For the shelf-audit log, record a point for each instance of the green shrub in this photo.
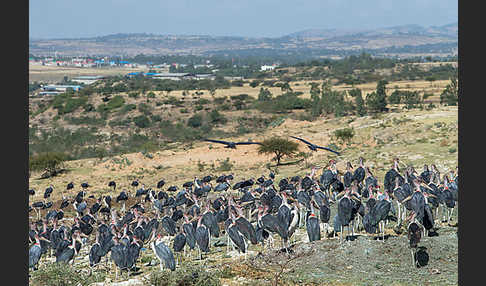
(220, 100)
(50, 162)
(173, 101)
(145, 108)
(151, 95)
(185, 275)
(241, 97)
(120, 122)
(284, 103)
(217, 118)
(203, 101)
(237, 82)
(127, 108)
(114, 103)
(60, 274)
(142, 121)
(225, 165)
(411, 99)
(264, 94)
(155, 118)
(179, 131)
(86, 120)
(255, 83)
(430, 106)
(195, 121)
(133, 94)
(345, 134)
(395, 97)
(64, 103)
(239, 104)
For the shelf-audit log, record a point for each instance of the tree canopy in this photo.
(279, 146)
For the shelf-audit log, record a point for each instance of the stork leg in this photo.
(399, 214)
(246, 247)
(383, 231)
(413, 258)
(341, 234)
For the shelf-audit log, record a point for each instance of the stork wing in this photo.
(325, 148)
(247, 143)
(306, 142)
(217, 141)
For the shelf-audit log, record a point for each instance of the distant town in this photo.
(155, 71)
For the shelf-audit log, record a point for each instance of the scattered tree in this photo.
(450, 94)
(376, 101)
(50, 162)
(264, 95)
(358, 99)
(279, 146)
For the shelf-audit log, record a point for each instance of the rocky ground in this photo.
(362, 259)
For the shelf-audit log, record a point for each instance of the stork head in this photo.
(349, 167)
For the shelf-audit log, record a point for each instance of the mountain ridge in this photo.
(310, 39)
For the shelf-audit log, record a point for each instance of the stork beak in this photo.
(426, 186)
(43, 238)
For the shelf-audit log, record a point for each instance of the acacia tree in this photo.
(50, 162)
(279, 146)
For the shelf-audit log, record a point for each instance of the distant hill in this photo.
(316, 42)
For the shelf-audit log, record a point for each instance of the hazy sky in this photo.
(251, 18)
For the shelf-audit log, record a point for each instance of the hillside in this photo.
(415, 136)
(313, 42)
(137, 129)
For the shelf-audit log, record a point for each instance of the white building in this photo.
(267, 68)
(87, 79)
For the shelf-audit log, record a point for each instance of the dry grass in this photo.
(41, 73)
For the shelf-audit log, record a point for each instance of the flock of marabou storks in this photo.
(214, 211)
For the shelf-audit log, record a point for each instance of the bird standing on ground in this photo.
(163, 252)
(312, 225)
